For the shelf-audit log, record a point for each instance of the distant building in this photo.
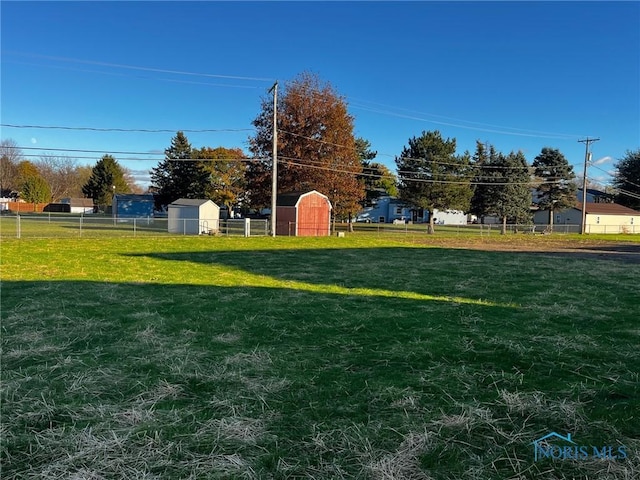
(189, 216)
(389, 209)
(79, 205)
(600, 218)
(595, 196)
(133, 205)
(305, 214)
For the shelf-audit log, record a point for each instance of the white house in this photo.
(392, 210)
(78, 205)
(599, 218)
(188, 216)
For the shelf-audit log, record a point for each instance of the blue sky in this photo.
(519, 75)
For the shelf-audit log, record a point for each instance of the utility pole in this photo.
(587, 141)
(274, 169)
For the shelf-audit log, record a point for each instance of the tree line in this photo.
(50, 178)
(318, 150)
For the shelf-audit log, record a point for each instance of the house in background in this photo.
(599, 218)
(393, 210)
(385, 210)
(303, 214)
(595, 196)
(132, 205)
(79, 205)
(189, 216)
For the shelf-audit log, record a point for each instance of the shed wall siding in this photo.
(596, 223)
(286, 221)
(183, 220)
(313, 216)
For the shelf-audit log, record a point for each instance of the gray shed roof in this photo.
(190, 202)
(78, 202)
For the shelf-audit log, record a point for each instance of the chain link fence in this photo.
(94, 226)
(54, 225)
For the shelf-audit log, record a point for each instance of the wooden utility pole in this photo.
(274, 168)
(587, 141)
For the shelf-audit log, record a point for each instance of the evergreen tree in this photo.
(627, 180)
(510, 197)
(179, 175)
(377, 179)
(432, 176)
(107, 178)
(556, 190)
(484, 168)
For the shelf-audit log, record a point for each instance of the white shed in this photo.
(193, 216)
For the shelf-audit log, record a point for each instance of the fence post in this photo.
(80, 232)
(247, 227)
(18, 225)
(134, 227)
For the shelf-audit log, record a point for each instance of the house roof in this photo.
(607, 209)
(79, 202)
(595, 192)
(291, 199)
(190, 202)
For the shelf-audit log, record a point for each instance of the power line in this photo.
(517, 130)
(479, 126)
(86, 151)
(401, 177)
(627, 193)
(410, 115)
(120, 74)
(46, 149)
(398, 156)
(472, 124)
(407, 179)
(616, 176)
(137, 130)
(134, 67)
(469, 127)
(140, 159)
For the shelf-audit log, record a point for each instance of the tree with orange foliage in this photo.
(316, 147)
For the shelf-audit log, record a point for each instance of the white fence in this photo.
(94, 226)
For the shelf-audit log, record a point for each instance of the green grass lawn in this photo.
(357, 357)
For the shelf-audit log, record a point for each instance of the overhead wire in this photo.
(135, 67)
(410, 114)
(142, 77)
(623, 178)
(423, 180)
(133, 130)
(472, 124)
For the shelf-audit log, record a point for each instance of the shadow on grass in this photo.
(506, 279)
(276, 376)
(294, 356)
(420, 274)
